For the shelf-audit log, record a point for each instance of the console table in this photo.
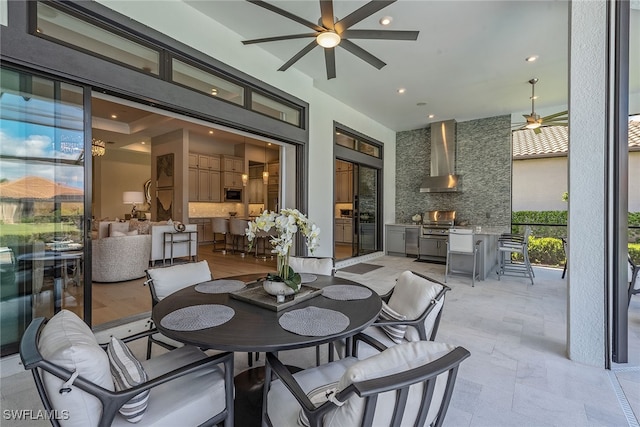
(175, 238)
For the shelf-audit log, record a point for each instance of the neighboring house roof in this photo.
(36, 188)
(552, 141)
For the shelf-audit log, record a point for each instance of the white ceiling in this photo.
(468, 61)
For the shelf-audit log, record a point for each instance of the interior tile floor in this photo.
(518, 373)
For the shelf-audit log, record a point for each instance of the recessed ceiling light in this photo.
(431, 116)
(114, 116)
(142, 142)
(385, 20)
(402, 90)
(532, 58)
(210, 132)
(214, 91)
(421, 104)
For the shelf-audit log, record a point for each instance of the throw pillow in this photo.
(317, 396)
(116, 234)
(395, 332)
(143, 227)
(121, 227)
(132, 233)
(128, 372)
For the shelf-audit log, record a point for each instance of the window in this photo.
(53, 23)
(205, 82)
(356, 144)
(275, 109)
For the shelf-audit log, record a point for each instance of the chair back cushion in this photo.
(394, 360)
(411, 296)
(461, 240)
(312, 265)
(69, 343)
(167, 280)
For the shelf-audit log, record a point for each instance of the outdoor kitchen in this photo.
(462, 179)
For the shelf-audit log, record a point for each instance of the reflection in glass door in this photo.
(41, 201)
(366, 208)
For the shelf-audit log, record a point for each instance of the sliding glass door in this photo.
(42, 209)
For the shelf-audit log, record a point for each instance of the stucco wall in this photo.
(185, 24)
(483, 159)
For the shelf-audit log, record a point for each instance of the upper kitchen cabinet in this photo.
(204, 178)
(344, 182)
(233, 168)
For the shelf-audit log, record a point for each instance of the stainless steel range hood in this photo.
(443, 160)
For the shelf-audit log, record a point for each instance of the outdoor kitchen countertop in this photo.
(487, 230)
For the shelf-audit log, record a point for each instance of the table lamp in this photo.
(133, 198)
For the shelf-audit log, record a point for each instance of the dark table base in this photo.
(249, 385)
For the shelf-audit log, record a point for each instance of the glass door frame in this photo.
(361, 159)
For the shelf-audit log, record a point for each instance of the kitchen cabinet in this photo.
(343, 230)
(433, 248)
(205, 229)
(233, 168)
(395, 240)
(344, 182)
(204, 178)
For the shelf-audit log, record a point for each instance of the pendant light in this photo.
(265, 172)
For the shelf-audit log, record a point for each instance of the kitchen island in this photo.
(399, 243)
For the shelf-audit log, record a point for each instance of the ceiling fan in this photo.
(330, 33)
(535, 122)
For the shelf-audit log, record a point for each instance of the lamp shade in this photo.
(132, 197)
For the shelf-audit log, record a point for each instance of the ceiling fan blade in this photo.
(380, 34)
(298, 55)
(557, 116)
(362, 13)
(330, 61)
(326, 11)
(278, 38)
(286, 14)
(362, 54)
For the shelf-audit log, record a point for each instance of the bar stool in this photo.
(237, 229)
(509, 244)
(220, 225)
(262, 236)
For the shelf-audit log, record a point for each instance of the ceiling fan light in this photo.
(328, 39)
(533, 125)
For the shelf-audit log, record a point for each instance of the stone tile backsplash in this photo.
(483, 158)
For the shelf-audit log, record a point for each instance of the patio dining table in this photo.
(248, 327)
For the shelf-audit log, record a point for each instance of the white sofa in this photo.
(160, 245)
(182, 247)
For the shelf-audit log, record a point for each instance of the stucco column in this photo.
(588, 97)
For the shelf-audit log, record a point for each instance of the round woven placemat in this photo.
(314, 321)
(220, 286)
(307, 277)
(197, 317)
(346, 292)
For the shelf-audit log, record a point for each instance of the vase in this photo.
(277, 288)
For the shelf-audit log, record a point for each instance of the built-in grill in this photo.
(434, 234)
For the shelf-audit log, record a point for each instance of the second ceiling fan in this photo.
(329, 33)
(535, 122)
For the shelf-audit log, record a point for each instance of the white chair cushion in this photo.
(187, 401)
(412, 333)
(68, 342)
(128, 372)
(312, 265)
(167, 280)
(411, 297)
(283, 408)
(396, 359)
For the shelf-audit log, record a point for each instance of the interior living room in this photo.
(224, 111)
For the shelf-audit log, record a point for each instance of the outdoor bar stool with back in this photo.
(462, 242)
(509, 244)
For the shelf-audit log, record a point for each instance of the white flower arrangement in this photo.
(286, 224)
